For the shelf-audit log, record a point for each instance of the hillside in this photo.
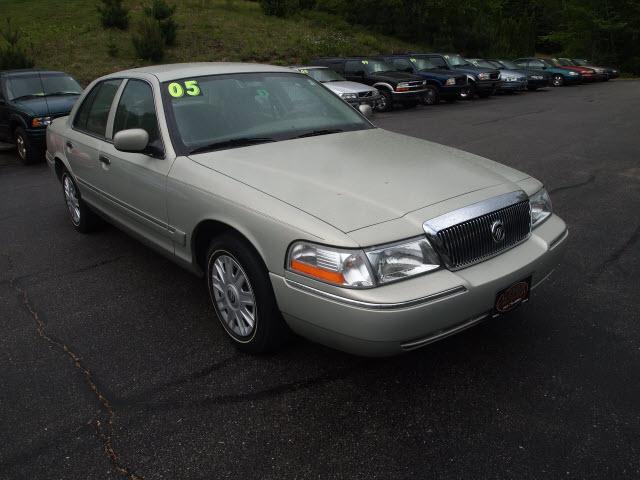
(67, 35)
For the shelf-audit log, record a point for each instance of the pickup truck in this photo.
(394, 86)
(29, 101)
(483, 82)
(441, 84)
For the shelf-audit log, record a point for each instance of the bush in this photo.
(280, 8)
(169, 30)
(113, 14)
(160, 10)
(12, 55)
(148, 42)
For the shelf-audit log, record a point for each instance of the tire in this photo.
(431, 96)
(242, 295)
(28, 153)
(557, 80)
(469, 93)
(82, 217)
(385, 104)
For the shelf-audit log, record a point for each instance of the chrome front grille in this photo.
(466, 236)
(494, 76)
(368, 93)
(461, 80)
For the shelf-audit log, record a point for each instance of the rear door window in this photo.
(94, 111)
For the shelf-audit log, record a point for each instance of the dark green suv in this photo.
(29, 100)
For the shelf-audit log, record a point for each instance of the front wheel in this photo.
(469, 92)
(385, 104)
(431, 96)
(558, 80)
(27, 151)
(242, 295)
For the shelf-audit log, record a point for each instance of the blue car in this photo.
(559, 76)
(29, 101)
(441, 84)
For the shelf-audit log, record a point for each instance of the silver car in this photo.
(354, 93)
(301, 215)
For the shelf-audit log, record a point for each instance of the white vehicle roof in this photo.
(174, 71)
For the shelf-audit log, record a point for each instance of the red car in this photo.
(588, 74)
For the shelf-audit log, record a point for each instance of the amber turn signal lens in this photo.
(319, 273)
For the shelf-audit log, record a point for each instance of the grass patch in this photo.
(67, 35)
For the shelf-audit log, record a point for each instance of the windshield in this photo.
(323, 74)
(482, 64)
(546, 62)
(423, 63)
(373, 66)
(25, 86)
(509, 65)
(565, 62)
(222, 111)
(581, 62)
(455, 60)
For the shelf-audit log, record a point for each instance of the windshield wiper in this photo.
(28, 95)
(61, 93)
(315, 133)
(232, 143)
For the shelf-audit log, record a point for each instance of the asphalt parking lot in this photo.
(113, 366)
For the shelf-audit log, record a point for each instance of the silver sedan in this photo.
(300, 214)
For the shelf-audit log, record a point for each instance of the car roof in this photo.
(174, 71)
(29, 71)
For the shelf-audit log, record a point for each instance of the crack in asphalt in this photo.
(589, 180)
(104, 426)
(617, 253)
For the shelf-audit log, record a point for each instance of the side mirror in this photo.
(132, 140)
(365, 110)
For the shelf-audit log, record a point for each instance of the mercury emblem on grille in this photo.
(497, 231)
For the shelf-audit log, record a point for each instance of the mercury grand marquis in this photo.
(301, 214)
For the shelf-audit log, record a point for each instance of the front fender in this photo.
(383, 85)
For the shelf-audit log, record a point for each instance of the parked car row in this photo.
(31, 99)
(408, 79)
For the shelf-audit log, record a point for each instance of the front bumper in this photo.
(573, 79)
(487, 86)
(513, 86)
(37, 136)
(371, 101)
(537, 82)
(410, 96)
(405, 315)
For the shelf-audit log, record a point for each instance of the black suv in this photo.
(441, 84)
(482, 81)
(29, 101)
(394, 86)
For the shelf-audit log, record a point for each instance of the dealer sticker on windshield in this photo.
(179, 89)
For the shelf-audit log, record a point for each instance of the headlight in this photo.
(402, 260)
(483, 76)
(40, 121)
(541, 207)
(573, 73)
(403, 87)
(357, 269)
(450, 81)
(349, 96)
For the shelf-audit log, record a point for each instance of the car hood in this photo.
(392, 76)
(352, 180)
(347, 87)
(44, 106)
(437, 73)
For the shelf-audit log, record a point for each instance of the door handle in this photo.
(69, 145)
(104, 160)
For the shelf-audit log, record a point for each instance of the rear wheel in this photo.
(27, 151)
(82, 217)
(558, 80)
(242, 295)
(431, 96)
(385, 104)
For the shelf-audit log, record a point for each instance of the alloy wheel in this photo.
(233, 295)
(71, 197)
(557, 80)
